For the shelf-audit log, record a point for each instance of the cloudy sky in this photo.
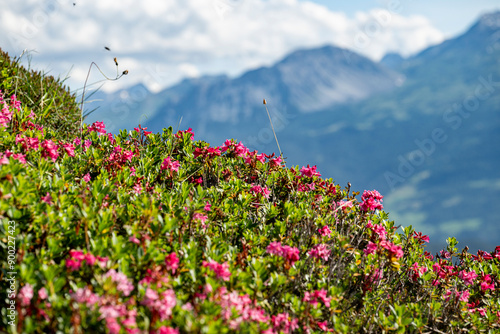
(161, 41)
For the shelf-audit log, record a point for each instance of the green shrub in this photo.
(158, 233)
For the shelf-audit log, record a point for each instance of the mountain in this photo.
(392, 60)
(423, 130)
(304, 81)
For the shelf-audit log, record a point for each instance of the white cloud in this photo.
(161, 41)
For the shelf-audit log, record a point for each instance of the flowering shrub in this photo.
(159, 233)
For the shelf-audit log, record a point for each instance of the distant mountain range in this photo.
(425, 130)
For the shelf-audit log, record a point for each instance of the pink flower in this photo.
(172, 262)
(396, 251)
(122, 282)
(291, 254)
(417, 271)
(207, 206)
(137, 188)
(89, 259)
(467, 277)
(256, 189)
(161, 303)
(19, 157)
(42, 293)
(200, 216)
(344, 204)
(167, 330)
(134, 240)
(283, 322)
(85, 296)
(324, 231)
(276, 162)
(86, 177)
(50, 150)
(320, 251)
(317, 295)
(309, 171)
(220, 270)
(371, 201)
(323, 326)
(5, 116)
(370, 248)
(47, 199)
(25, 294)
(87, 143)
(111, 139)
(70, 149)
(274, 248)
(380, 231)
(180, 134)
(487, 283)
(464, 296)
(170, 164)
(97, 127)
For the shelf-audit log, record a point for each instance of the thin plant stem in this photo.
(272, 127)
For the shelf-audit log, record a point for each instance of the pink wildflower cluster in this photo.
(290, 254)
(25, 294)
(78, 257)
(253, 156)
(206, 152)
(320, 251)
(98, 127)
(172, 262)
(143, 130)
(167, 330)
(309, 171)
(306, 187)
(324, 231)
(4, 157)
(238, 149)
(378, 230)
(443, 271)
(462, 296)
(113, 313)
(282, 323)
(180, 134)
(5, 114)
(28, 143)
(371, 201)
(120, 156)
(50, 150)
(417, 271)
(170, 164)
(85, 296)
(220, 270)
(316, 296)
(487, 283)
(275, 162)
(256, 189)
(160, 303)
(467, 277)
(420, 237)
(122, 282)
(238, 309)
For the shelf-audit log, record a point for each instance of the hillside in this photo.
(160, 233)
(374, 127)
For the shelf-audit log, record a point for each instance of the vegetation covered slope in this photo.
(46, 95)
(159, 233)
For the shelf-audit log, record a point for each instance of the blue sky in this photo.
(162, 41)
(449, 16)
